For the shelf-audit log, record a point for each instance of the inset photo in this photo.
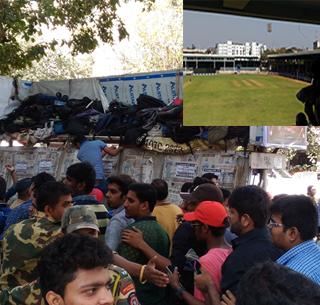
(251, 62)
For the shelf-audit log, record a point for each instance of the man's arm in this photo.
(134, 238)
(112, 151)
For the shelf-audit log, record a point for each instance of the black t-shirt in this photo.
(183, 240)
(251, 248)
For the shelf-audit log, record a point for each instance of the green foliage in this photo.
(22, 22)
(313, 150)
(57, 66)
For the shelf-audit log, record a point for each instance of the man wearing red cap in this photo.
(209, 222)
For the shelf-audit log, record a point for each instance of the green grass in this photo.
(243, 99)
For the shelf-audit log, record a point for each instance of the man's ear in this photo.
(53, 298)
(81, 186)
(47, 210)
(246, 220)
(293, 234)
(144, 206)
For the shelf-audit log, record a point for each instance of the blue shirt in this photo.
(118, 222)
(17, 214)
(303, 258)
(318, 211)
(91, 151)
(4, 212)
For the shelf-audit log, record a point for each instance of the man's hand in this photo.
(228, 298)
(133, 237)
(9, 168)
(203, 281)
(174, 280)
(154, 276)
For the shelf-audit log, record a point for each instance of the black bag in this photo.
(241, 133)
(183, 134)
(146, 101)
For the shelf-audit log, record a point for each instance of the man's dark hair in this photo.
(273, 284)
(78, 139)
(61, 259)
(226, 193)
(218, 232)
(50, 193)
(3, 188)
(185, 188)
(251, 200)
(161, 188)
(145, 192)
(297, 211)
(38, 180)
(22, 187)
(83, 172)
(122, 181)
(198, 181)
(210, 176)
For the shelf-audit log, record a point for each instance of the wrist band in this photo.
(143, 267)
(179, 291)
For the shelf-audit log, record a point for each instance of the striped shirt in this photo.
(98, 208)
(303, 258)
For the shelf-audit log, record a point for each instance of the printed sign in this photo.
(164, 86)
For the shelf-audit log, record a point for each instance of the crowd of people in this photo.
(113, 240)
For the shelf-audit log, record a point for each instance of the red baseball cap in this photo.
(97, 193)
(211, 213)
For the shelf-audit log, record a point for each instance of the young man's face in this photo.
(57, 212)
(114, 196)
(90, 287)
(132, 205)
(76, 187)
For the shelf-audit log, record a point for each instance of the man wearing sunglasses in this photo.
(209, 222)
(293, 226)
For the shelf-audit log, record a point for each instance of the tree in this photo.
(57, 66)
(22, 22)
(157, 42)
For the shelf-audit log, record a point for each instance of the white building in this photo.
(230, 48)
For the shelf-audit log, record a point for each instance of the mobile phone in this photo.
(197, 267)
(169, 269)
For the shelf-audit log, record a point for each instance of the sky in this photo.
(206, 29)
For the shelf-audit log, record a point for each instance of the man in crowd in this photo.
(311, 192)
(81, 220)
(293, 226)
(248, 211)
(184, 237)
(165, 212)
(22, 212)
(23, 192)
(23, 241)
(139, 204)
(266, 283)
(209, 221)
(93, 152)
(73, 270)
(116, 195)
(80, 178)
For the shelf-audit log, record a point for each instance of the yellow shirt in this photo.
(167, 217)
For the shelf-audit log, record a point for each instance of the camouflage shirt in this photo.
(21, 248)
(122, 288)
